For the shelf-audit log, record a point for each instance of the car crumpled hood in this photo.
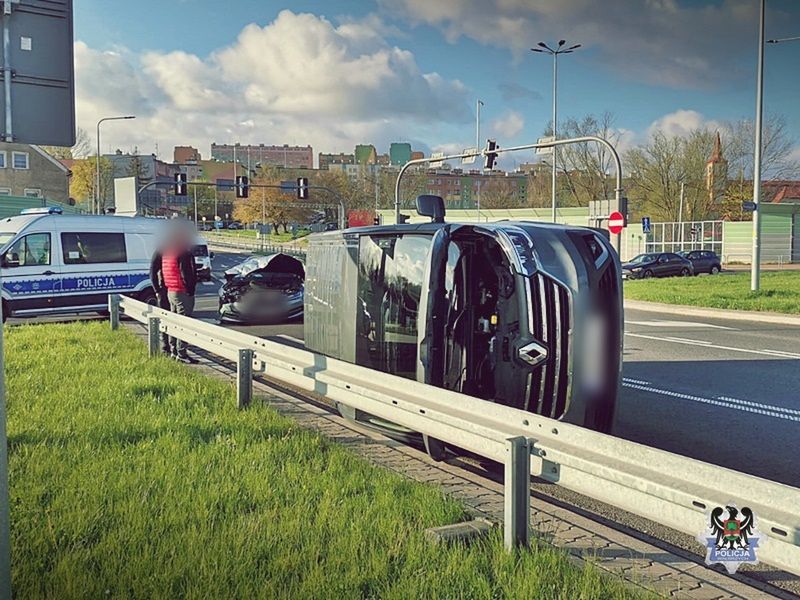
(275, 263)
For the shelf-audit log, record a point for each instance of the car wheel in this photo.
(647, 274)
(435, 448)
(714, 270)
(148, 296)
(685, 272)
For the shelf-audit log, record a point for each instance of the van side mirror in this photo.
(9, 261)
(431, 206)
(211, 255)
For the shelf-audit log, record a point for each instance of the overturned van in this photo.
(524, 314)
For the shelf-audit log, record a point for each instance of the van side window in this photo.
(31, 250)
(390, 279)
(91, 248)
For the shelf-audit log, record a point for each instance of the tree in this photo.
(136, 169)
(659, 167)
(83, 181)
(81, 149)
(585, 167)
(500, 192)
(776, 154)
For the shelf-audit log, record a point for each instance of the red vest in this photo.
(172, 273)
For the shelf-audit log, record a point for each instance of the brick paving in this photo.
(638, 561)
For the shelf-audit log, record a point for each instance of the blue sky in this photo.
(188, 72)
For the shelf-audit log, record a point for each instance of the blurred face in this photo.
(179, 236)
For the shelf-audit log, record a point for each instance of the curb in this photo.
(714, 313)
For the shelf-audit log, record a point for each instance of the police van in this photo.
(55, 263)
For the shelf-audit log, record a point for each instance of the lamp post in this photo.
(97, 161)
(478, 146)
(545, 49)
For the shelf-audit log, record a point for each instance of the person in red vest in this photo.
(180, 280)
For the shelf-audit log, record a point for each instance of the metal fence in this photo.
(687, 235)
(651, 483)
(255, 245)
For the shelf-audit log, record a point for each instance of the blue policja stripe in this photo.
(86, 283)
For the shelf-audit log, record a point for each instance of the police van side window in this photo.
(31, 250)
(92, 248)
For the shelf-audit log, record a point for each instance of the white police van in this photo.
(55, 263)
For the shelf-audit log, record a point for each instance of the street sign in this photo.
(39, 44)
(616, 222)
(545, 140)
(434, 162)
(749, 206)
(473, 155)
(645, 224)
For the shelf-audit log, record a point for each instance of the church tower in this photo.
(716, 173)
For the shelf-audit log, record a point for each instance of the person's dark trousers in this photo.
(181, 303)
(163, 302)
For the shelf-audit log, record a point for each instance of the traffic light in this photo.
(376, 220)
(179, 187)
(302, 188)
(491, 155)
(242, 186)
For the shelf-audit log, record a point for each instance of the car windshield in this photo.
(683, 253)
(200, 250)
(644, 258)
(6, 237)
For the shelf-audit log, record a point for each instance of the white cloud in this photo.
(300, 79)
(508, 125)
(664, 42)
(682, 122)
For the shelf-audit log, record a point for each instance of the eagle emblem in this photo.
(731, 539)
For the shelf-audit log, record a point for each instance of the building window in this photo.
(33, 193)
(3, 157)
(92, 248)
(5, 191)
(20, 160)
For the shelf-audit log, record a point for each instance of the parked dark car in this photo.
(235, 225)
(703, 261)
(657, 264)
(263, 289)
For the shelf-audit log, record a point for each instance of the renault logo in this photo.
(533, 353)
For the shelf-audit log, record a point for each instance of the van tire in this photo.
(148, 296)
(436, 449)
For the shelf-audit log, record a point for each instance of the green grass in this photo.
(273, 237)
(780, 292)
(133, 477)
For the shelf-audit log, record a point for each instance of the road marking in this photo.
(679, 324)
(767, 410)
(705, 344)
(637, 381)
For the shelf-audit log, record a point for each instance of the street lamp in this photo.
(755, 272)
(97, 160)
(545, 49)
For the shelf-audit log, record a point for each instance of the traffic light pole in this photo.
(321, 188)
(615, 239)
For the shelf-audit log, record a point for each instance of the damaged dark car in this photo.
(263, 290)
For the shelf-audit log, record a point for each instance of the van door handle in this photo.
(49, 273)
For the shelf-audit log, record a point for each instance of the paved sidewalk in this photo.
(640, 562)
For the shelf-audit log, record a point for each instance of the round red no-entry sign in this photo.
(616, 222)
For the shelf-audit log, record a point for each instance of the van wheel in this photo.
(148, 296)
(435, 448)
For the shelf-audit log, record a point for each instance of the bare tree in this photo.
(777, 147)
(81, 149)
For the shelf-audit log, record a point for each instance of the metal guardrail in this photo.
(654, 484)
(254, 245)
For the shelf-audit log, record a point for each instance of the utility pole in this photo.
(755, 272)
(195, 206)
(544, 48)
(478, 105)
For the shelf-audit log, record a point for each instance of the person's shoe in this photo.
(185, 359)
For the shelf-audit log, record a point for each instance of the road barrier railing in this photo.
(667, 488)
(254, 245)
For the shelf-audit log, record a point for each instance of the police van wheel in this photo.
(148, 296)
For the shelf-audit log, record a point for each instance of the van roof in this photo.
(20, 222)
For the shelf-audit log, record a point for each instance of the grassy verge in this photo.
(780, 292)
(133, 477)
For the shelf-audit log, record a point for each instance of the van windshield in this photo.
(6, 237)
(200, 250)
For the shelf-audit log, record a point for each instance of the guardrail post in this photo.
(154, 336)
(244, 378)
(113, 311)
(517, 494)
